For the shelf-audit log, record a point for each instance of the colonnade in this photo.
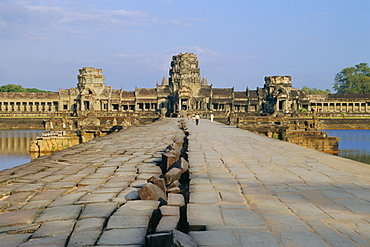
(19, 106)
(341, 106)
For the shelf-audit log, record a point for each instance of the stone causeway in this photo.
(174, 183)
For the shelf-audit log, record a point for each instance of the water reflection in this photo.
(15, 145)
(353, 144)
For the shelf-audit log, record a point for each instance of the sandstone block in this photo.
(83, 238)
(167, 223)
(60, 213)
(152, 192)
(170, 210)
(128, 221)
(179, 239)
(175, 190)
(98, 210)
(182, 164)
(138, 208)
(133, 236)
(168, 159)
(158, 181)
(54, 229)
(174, 184)
(176, 153)
(176, 200)
(172, 175)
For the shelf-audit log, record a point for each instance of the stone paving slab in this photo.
(292, 196)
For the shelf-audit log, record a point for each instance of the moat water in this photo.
(353, 144)
(15, 144)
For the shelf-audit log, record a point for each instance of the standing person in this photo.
(212, 116)
(197, 119)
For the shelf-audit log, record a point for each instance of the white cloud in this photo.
(19, 19)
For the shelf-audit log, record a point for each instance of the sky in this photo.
(44, 43)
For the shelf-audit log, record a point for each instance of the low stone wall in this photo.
(345, 123)
(314, 139)
(52, 141)
(23, 123)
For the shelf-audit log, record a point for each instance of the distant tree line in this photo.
(19, 88)
(315, 90)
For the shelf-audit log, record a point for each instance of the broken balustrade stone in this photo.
(152, 192)
(175, 190)
(176, 153)
(167, 160)
(176, 174)
(173, 146)
(180, 239)
(172, 175)
(158, 181)
(157, 239)
(179, 141)
(182, 164)
(175, 184)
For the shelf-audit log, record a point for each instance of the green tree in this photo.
(315, 90)
(19, 88)
(12, 88)
(353, 79)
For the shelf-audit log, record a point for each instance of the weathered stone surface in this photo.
(176, 200)
(13, 239)
(67, 199)
(172, 175)
(135, 236)
(204, 214)
(96, 197)
(60, 213)
(47, 242)
(139, 183)
(18, 217)
(179, 239)
(215, 238)
(54, 229)
(182, 164)
(82, 238)
(168, 223)
(98, 210)
(170, 210)
(128, 221)
(138, 208)
(158, 181)
(151, 192)
(91, 224)
(130, 193)
(168, 159)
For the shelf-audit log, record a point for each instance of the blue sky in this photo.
(43, 43)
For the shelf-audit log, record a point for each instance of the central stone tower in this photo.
(188, 93)
(184, 71)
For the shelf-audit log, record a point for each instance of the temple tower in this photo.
(185, 85)
(93, 94)
(184, 71)
(279, 95)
